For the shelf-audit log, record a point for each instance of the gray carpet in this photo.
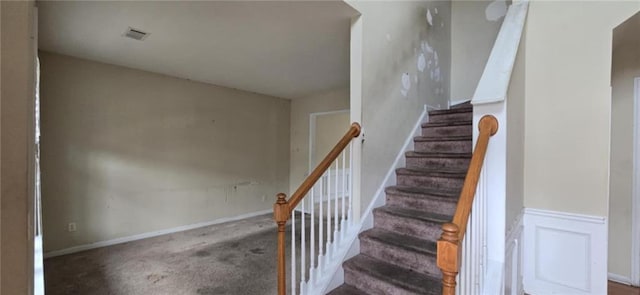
(231, 258)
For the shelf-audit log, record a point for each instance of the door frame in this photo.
(312, 134)
(635, 225)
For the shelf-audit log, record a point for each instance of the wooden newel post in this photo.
(448, 258)
(281, 215)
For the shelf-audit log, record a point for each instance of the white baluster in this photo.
(303, 248)
(329, 227)
(321, 222)
(343, 194)
(293, 251)
(335, 211)
(350, 210)
(312, 245)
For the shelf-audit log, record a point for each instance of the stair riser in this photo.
(429, 181)
(425, 204)
(407, 226)
(462, 130)
(372, 285)
(455, 117)
(417, 162)
(418, 262)
(454, 146)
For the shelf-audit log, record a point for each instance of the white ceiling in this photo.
(284, 49)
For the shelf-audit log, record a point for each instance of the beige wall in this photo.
(126, 152)
(568, 102)
(329, 129)
(626, 67)
(516, 137)
(472, 38)
(301, 109)
(16, 138)
(395, 35)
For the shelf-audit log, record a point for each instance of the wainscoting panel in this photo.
(564, 253)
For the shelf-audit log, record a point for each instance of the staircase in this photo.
(398, 255)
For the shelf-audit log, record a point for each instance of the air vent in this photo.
(136, 34)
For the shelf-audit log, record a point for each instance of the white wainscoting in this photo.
(514, 259)
(564, 253)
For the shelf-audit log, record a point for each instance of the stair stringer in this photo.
(366, 223)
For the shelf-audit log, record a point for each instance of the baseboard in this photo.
(619, 279)
(565, 253)
(378, 200)
(151, 234)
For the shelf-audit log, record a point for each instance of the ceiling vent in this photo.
(136, 34)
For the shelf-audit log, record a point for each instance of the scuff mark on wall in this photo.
(496, 10)
(429, 17)
(406, 84)
(422, 62)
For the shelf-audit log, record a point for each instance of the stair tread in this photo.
(447, 124)
(403, 278)
(466, 104)
(415, 214)
(345, 289)
(414, 154)
(468, 109)
(421, 192)
(401, 241)
(443, 138)
(439, 172)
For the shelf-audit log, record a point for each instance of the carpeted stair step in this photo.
(373, 276)
(346, 290)
(440, 201)
(437, 160)
(439, 179)
(401, 250)
(461, 128)
(466, 105)
(417, 223)
(441, 144)
(452, 115)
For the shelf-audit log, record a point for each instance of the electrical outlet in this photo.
(264, 198)
(72, 227)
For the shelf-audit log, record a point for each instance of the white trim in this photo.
(513, 258)
(151, 234)
(565, 253)
(378, 201)
(635, 196)
(619, 279)
(312, 134)
(355, 106)
(457, 102)
(496, 76)
(565, 215)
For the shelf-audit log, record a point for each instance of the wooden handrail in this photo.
(283, 208)
(449, 250)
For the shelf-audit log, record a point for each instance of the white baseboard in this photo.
(151, 234)
(565, 253)
(378, 199)
(619, 279)
(513, 258)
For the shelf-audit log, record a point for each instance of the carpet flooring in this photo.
(231, 258)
